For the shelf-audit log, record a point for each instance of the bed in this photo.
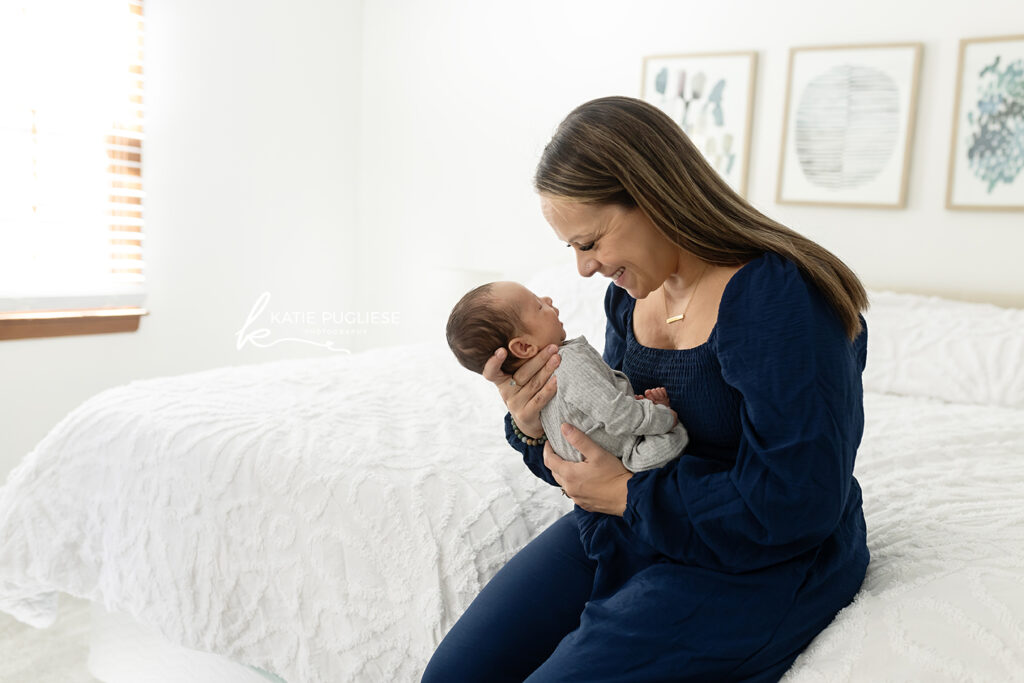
(324, 520)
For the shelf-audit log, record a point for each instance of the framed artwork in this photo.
(986, 159)
(711, 97)
(849, 124)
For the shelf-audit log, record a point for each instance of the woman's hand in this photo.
(528, 390)
(598, 484)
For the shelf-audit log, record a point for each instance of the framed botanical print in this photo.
(849, 124)
(711, 97)
(986, 160)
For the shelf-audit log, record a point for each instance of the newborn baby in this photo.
(642, 431)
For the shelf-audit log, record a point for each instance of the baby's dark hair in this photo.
(478, 325)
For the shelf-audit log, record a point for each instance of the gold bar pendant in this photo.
(675, 318)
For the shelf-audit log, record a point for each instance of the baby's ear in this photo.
(520, 348)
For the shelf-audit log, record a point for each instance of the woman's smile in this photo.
(607, 234)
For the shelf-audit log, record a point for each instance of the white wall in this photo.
(459, 98)
(360, 155)
(249, 169)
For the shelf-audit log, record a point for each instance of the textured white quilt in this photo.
(325, 520)
(330, 519)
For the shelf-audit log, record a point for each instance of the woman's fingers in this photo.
(533, 387)
(540, 377)
(543, 395)
(492, 368)
(533, 376)
(528, 389)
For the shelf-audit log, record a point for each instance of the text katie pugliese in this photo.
(335, 317)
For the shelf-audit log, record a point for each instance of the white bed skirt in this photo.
(121, 650)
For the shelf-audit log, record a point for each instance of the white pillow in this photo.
(951, 350)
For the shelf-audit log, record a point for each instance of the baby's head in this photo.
(502, 314)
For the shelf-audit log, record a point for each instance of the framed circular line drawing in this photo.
(849, 125)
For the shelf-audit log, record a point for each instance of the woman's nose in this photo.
(585, 266)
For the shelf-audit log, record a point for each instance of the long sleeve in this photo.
(654, 451)
(606, 396)
(783, 349)
(533, 456)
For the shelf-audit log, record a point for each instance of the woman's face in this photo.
(615, 241)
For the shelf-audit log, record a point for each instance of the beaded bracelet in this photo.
(528, 440)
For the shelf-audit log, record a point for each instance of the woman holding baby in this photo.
(723, 564)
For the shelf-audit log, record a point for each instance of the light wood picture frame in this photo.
(986, 154)
(849, 125)
(711, 96)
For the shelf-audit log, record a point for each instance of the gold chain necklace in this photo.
(682, 316)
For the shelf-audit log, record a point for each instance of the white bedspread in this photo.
(943, 599)
(329, 520)
(325, 520)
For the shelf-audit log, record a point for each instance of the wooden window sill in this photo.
(29, 324)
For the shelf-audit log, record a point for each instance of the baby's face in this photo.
(539, 315)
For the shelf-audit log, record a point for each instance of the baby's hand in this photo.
(659, 396)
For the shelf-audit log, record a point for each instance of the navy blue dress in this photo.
(728, 560)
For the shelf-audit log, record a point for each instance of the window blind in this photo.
(71, 139)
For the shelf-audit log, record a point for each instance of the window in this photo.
(71, 193)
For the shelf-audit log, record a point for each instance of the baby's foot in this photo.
(658, 395)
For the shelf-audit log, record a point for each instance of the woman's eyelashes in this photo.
(585, 247)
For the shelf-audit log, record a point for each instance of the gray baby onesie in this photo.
(600, 401)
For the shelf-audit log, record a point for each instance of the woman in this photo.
(725, 563)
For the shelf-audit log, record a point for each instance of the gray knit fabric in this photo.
(600, 401)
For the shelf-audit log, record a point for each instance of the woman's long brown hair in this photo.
(621, 150)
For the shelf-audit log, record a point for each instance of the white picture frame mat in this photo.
(899, 63)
